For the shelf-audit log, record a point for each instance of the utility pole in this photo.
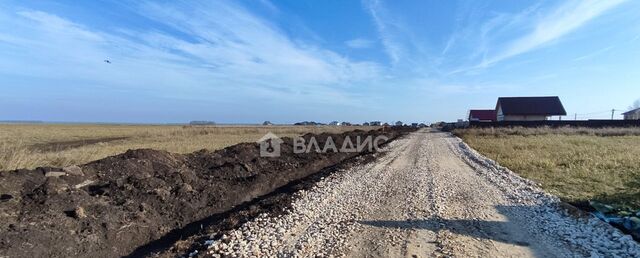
(612, 111)
(575, 116)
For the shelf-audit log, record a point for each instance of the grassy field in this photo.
(33, 145)
(574, 164)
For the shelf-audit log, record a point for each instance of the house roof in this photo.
(631, 111)
(483, 114)
(548, 106)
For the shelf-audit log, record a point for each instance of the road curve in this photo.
(426, 195)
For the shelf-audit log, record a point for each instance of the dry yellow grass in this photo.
(34, 145)
(574, 164)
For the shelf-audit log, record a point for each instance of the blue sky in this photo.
(290, 60)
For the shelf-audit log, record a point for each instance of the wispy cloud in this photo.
(225, 56)
(548, 28)
(223, 50)
(593, 54)
(269, 5)
(239, 43)
(359, 43)
(382, 23)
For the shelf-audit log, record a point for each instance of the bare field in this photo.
(576, 164)
(34, 145)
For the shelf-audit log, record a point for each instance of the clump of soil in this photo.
(116, 204)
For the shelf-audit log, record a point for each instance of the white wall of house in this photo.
(502, 117)
(632, 115)
(524, 118)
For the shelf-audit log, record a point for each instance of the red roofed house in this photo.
(482, 115)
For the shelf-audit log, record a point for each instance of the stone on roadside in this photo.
(55, 174)
(79, 213)
(73, 170)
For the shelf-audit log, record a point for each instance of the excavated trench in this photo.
(145, 202)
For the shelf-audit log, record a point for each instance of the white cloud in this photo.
(359, 43)
(224, 50)
(379, 15)
(239, 43)
(219, 52)
(594, 53)
(558, 23)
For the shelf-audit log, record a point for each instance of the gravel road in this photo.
(426, 195)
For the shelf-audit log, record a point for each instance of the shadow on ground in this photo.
(472, 228)
(509, 231)
(627, 196)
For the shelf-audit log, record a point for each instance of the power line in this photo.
(590, 114)
(594, 113)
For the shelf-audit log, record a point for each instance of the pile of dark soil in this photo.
(111, 207)
(194, 237)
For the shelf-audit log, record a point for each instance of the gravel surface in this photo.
(426, 195)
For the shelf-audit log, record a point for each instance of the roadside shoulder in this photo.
(585, 233)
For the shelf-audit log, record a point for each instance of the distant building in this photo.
(438, 124)
(202, 123)
(365, 124)
(308, 123)
(346, 124)
(414, 124)
(528, 108)
(482, 115)
(399, 123)
(375, 123)
(334, 123)
(267, 123)
(633, 114)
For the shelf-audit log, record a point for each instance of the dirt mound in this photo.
(112, 206)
